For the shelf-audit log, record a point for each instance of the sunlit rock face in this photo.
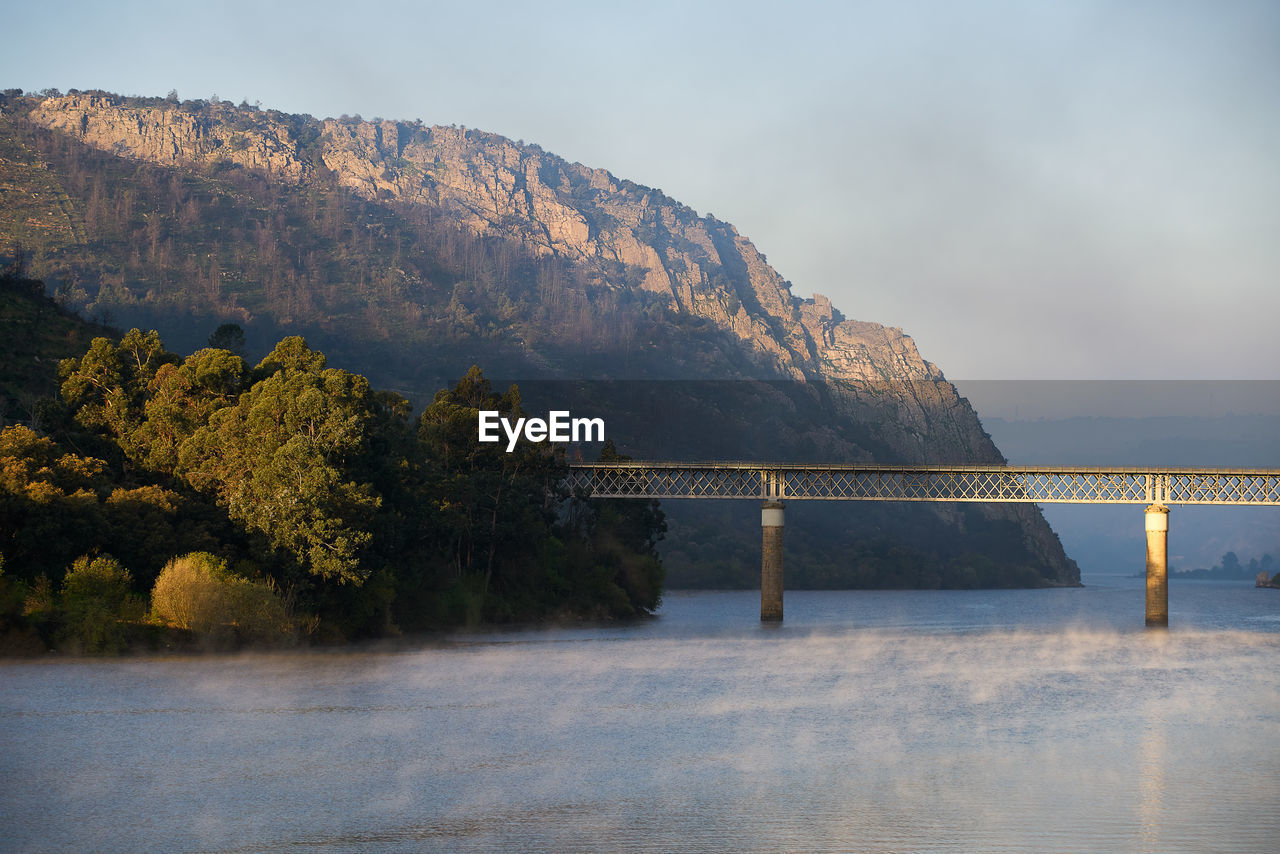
(169, 135)
(632, 237)
(493, 185)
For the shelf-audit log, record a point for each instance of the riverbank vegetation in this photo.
(184, 502)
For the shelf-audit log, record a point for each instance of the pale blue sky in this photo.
(1036, 190)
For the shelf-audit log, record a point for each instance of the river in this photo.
(991, 721)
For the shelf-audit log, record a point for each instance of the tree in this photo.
(106, 389)
(180, 400)
(626, 533)
(317, 479)
(94, 599)
(282, 460)
(228, 336)
(492, 506)
(49, 507)
(198, 593)
(1231, 565)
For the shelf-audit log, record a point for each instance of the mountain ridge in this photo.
(701, 266)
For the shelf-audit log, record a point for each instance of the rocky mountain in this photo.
(416, 248)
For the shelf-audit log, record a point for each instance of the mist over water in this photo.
(869, 721)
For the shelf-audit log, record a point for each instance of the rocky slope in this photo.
(627, 238)
(700, 265)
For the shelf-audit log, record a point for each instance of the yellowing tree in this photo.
(197, 592)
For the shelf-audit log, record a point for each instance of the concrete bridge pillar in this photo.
(771, 518)
(1157, 565)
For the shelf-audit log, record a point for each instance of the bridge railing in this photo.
(1033, 484)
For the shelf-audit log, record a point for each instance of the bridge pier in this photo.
(1157, 565)
(771, 519)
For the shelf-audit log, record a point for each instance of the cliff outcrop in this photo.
(625, 237)
(492, 185)
(162, 132)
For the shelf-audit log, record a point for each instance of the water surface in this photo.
(869, 721)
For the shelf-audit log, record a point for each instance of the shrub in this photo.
(94, 601)
(185, 594)
(197, 592)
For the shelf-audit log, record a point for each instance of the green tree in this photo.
(284, 460)
(55, 506)
(18, 633)
(107, 388)
(143, 525)
(228, 336)
(626, 533)
(516, 544)
(491, 507)
(94, 600)
(179, 401)
(49, 503)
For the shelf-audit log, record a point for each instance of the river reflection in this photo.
(992, 721)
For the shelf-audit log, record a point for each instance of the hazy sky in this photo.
(1036, 190)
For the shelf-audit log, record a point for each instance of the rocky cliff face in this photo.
(629, 236)
(493, 185)
(164, 133)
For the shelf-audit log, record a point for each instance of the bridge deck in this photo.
(874, 482)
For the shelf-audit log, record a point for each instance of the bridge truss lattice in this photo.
(1034, 484)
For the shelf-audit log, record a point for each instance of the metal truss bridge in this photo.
(1028, 484)
(776, 483)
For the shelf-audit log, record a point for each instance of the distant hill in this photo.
(410, 252)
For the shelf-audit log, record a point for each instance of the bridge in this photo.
(776, 483)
